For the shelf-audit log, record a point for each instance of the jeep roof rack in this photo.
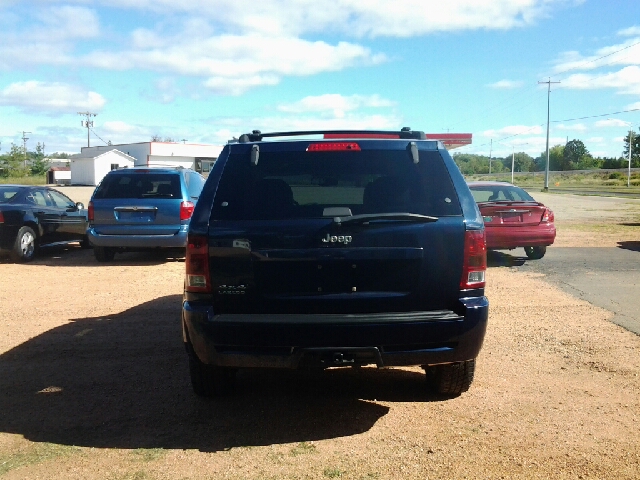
(404, 133)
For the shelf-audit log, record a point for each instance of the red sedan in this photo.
(513, 219)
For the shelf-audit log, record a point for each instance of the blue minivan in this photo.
(142, 208)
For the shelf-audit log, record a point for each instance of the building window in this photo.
(114, 166)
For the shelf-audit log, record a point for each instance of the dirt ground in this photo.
(94, 384)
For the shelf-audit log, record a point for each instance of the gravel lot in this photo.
(94, 383)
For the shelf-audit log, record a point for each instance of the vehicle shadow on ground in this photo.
(122, 382)
(633, 246)
(501, 259)
(72, 255)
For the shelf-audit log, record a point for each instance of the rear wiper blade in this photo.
(372, 217)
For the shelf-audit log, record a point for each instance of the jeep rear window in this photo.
(321, 184)
(139, 185)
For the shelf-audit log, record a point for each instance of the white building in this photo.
(89, 168)
(199, 157)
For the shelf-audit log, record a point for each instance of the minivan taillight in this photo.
(186, 210)
(475, 260)
(197, 264)
(90, 212)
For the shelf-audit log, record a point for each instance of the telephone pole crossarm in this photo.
(87, 122)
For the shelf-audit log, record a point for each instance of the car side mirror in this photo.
(79, 206)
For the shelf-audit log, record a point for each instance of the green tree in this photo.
(38, 164)
(573, 153)
(635, 149)
(556, 158)
(521, 162)
(12, 163)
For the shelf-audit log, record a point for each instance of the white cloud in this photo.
(66, 22)
(629, 32)
(595, 140)
(335, 104)
(506, 84)
(577, 127)
(407, 18)
(626, 53)
(611, 122)
(626, 81)
(50, 97)
(120, 127)
(513, 130)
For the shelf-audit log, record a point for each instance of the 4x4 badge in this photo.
(337, 239)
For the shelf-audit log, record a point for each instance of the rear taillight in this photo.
(475, 260)
(1, 217)
(186, 210)
(548, 216)
(197, 264)
(90, 211)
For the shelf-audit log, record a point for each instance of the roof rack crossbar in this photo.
(405, 133)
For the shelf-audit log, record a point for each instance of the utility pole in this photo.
(490, 150)
(513, 160)
(24, 146)
(546, 170)
(630, 146)
(87, 122)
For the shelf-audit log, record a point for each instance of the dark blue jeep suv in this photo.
(335, 249)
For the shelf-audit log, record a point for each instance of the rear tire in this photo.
(104, 254)
(209, 380)
(451, 379)
(24, 248)
(535, 253)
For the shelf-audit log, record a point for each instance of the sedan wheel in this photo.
(535, 253)
(24, 247)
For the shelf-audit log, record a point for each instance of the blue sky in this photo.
(207, 70)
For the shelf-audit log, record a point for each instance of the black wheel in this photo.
(104, 254)
(24, 248)
(535, 253)
(208, 380)
(451, 379)
(84, 243)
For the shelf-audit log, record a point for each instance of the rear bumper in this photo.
(514, 237)
(291, 341)
(177, 240)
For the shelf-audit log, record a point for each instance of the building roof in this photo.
(83, 156)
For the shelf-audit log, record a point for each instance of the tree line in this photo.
(20, 163)
(571, 156)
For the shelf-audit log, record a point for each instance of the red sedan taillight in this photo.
(475, 260)
(186, 210)
(90, 212)
(548, 216)
(197, 264)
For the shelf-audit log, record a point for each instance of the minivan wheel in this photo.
(450, 379)
(24, 248)
(535, 253)
(208, 380)
(104, 254)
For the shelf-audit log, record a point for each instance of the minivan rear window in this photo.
(139, 185)
(323, 184)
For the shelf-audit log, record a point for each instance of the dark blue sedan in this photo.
(36, 216)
